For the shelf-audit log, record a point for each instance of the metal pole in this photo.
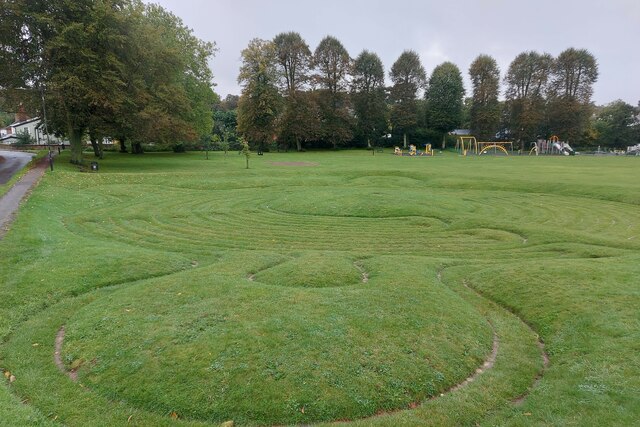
(46, 128)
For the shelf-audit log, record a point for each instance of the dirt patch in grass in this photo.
(73, 374)
(295, 164)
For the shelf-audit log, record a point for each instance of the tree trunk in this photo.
(75, 138)
(444, 141)
(298, 145)
(96, 149)
(368, 142)
(136, 148)
(123, 145)
(101, 148)
(405, 139)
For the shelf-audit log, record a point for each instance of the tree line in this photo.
(324, 98)
(110, 68)
(135, 73)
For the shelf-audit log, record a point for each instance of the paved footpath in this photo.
(10, 202)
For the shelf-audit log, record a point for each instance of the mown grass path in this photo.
(361, 289)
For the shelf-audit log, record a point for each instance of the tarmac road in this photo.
(11, 162)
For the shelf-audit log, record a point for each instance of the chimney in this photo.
(21, 115)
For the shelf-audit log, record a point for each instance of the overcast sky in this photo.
(443, 30)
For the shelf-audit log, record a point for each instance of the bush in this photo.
(24, 138)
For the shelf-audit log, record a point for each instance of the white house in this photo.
(33, 127)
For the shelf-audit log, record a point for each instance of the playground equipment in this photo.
(413, 151)
(469, 145)
(466, 144)
(552, 145)
(428, 151)
(633, 150)
(486, 147)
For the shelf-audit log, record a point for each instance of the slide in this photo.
(567, 149)
(563, 148)
(558, 147)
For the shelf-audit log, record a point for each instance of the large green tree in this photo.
(115, 67)
(225, 119)
(83, 70)
(617, 125)
(300, 123)
(367, 87)
(294, 63)
(260, 101)
(169, 82)
(333, 65)
(485, 108)
(574, 73)
(444, 99)
(408, 77)
(526, 84)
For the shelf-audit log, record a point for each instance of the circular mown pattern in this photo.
(213, 347)
(366, 220)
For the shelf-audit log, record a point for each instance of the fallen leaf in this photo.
(7, 374)
(174, 415)
(129, 419)
(12, 378)
(35, 344)
(527, 413)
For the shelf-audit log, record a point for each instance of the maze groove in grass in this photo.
(197, 292)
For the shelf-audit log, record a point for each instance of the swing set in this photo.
(470, 145)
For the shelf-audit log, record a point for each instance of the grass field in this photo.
(354, 288)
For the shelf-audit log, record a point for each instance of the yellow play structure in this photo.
(467, 144)
(413, 151)
(470, 145)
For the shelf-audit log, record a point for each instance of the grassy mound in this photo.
(313, 270)
(209, 346)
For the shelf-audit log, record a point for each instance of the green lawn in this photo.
(361, 289)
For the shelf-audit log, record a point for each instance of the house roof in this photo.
(460, 132)
(25, 122)
(8, 136)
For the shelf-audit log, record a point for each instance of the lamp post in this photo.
(46, 127)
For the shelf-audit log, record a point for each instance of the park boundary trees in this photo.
(485, 108)
(444, 99)
(116, 68)
(367, 92)
(408, 77)
(526, 85)
(574, 73)
(259, 103)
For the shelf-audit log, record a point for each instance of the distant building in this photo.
(460, 132)
(31, 126)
